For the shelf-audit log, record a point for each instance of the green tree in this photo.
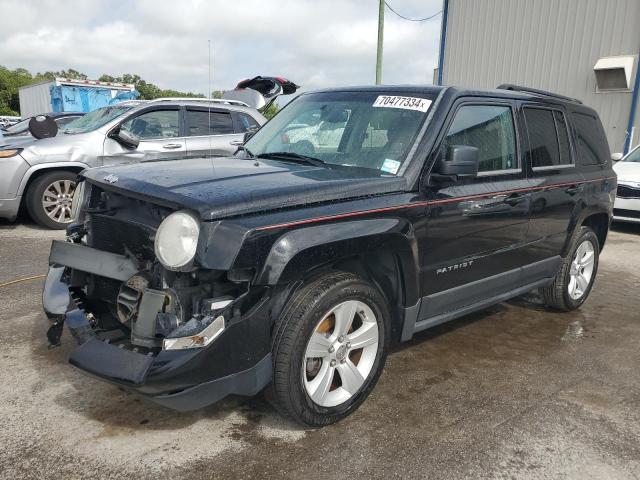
(70, 73)
(12, 80)
(148, 91)
(271, 110)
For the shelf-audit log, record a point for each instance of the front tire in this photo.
(49, 199)
(329, 349)
(574, 281)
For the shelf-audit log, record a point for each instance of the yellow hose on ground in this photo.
(25, 279)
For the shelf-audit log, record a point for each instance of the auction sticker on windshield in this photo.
(408, 103)
(390, 166)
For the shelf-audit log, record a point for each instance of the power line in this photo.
(412, 19)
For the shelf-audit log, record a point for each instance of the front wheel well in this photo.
(38, 173)
(599, 223)
(384, 271)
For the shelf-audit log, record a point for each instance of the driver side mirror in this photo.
(126, 139)
(616, 157)
(459, 161)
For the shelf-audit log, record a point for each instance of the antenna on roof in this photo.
(209, 97)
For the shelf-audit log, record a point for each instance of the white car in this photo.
(627, 206)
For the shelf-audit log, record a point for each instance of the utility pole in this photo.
(380, 41)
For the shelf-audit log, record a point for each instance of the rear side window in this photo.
(593, 148)
(490, 129)
(548, 138)
(203, 122)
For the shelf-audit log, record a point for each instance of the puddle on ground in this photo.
(575, 331)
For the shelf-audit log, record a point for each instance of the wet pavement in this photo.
(511, 392)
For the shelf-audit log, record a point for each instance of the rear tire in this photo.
(574, 281)
(349, 320)
(49, 197)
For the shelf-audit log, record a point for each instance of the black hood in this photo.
(222, 187)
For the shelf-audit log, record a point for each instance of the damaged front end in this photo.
(183, 335)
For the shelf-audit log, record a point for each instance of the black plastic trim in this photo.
(445, 317)
(249, 382)
(91, 260)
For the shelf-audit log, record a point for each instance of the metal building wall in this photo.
(548, 44)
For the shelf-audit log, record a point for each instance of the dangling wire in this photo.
(412, 19)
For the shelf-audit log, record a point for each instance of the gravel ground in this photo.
(511, 392)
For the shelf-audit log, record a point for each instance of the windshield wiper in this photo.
(294, 157)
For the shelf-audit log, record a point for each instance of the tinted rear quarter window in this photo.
(592, 145)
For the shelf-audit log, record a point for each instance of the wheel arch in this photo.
(597, 220)
(599, 223)
(382, 251)
(38, 170)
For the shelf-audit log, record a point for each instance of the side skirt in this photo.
(445, 317)
(443, 306)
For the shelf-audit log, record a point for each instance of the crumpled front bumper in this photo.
(237, 362)
(141, 372)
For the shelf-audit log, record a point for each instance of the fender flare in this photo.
(300, 250)
(578, 220)
(47, 166)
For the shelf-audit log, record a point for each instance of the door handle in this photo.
(573, 189)
(514, 199)
(172, 146)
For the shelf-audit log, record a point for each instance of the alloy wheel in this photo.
(57, 199)
(581, 270)
(340, 354)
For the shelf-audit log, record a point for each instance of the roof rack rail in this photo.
(200, 99)
(535, 91)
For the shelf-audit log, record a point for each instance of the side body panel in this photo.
(556, 196)
(475, 228)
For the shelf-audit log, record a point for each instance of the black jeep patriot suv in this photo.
(353, 219)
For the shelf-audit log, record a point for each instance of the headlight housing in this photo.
(10, 152)
(78, 201)
(177, 240)
(196, 340)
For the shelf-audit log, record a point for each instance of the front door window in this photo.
(157, 124)
(490, 129)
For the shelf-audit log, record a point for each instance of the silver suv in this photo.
(41, 173)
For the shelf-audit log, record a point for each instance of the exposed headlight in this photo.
(197, 340)
(78, 201)
(10, 153)
(177, 239)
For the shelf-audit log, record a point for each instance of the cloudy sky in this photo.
(315, 43)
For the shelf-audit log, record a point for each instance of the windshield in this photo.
(634, 156)
(19, 127)
(96, 119)
(357, 129)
